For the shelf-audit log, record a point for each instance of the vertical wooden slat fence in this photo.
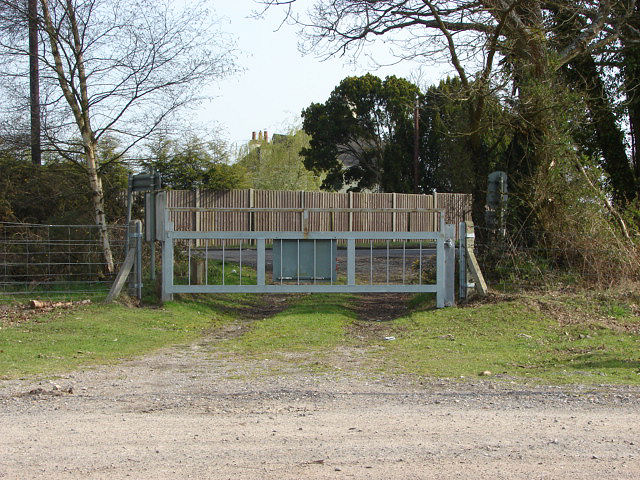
(457, 208)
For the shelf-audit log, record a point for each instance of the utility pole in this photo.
(416, 145)
(34, 83)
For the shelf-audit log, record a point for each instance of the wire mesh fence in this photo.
(56, 258)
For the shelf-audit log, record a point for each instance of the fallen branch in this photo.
(39, 304)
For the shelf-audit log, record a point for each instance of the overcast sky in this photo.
(278, 81)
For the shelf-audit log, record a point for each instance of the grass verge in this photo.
(62, 340)
(588, 338)
(515, 339)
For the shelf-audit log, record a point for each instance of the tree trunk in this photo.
(609, 136)
(34, 84)
(631, 77)
(80, 109)
(97, 197)
(528, 152)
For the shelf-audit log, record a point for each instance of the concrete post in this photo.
(167, 259)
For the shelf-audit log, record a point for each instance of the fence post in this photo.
(197, 220)
(436, 216)
(350, 212)
(305, 222)
(134, 233)
(393, 214)
(129, 203)
(139, 259)
(252, 214)
(450, 265)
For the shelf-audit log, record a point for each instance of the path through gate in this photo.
(307, 261)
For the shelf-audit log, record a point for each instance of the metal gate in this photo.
(245, 261)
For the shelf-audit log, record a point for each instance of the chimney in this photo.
(253, 136)
(260, 136)
(266, 137)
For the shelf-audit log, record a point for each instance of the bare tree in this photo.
(491, 44)
(117, 68)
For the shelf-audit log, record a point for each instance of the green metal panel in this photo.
(304, 260)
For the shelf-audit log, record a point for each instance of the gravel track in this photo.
(195, 412)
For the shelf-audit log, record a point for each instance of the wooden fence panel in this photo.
(182, 220)
(214, 221)
(415, 222)
(327, 221)
(278, 221)
(457, 208)
(373, 222)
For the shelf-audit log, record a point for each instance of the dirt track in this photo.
(191, 412)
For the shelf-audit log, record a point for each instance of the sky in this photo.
(277, 81)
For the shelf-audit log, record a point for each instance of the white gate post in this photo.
(462, 261)
(440, 271)
(450, 265)
(167, 257)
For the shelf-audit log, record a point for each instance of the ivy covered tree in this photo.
(278, 165)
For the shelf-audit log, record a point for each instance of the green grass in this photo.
(509, 339)
(588, 338)
(63, 340)
(313, 323)
(215, 273)
(58, 293)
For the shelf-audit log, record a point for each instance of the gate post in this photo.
(462, 261)
(134, 235)
(167, 258)
(445, 267)
(440, 271)
(450, 265)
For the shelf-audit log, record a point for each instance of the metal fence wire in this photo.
(56, 258)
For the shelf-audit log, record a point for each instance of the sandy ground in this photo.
(194, 412)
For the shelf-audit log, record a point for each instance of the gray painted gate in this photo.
(403, 261)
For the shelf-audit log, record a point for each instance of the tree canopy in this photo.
(523, 52)
(278, 165)
(363, 132)
(193, 163)
(363, 136)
